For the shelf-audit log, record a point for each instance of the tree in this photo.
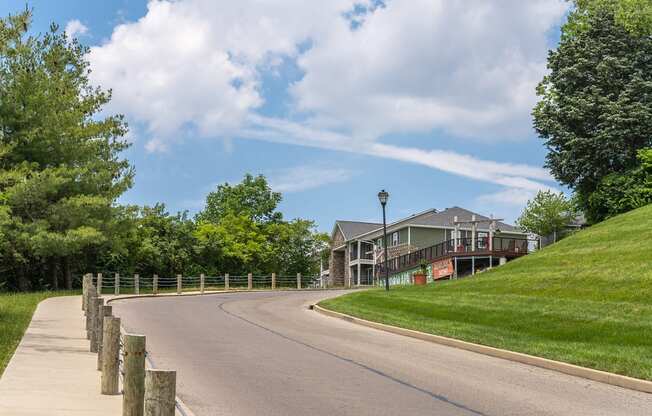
(252, 197)
(547, 214)
(296, 247)
(60, 170)
(634, 15)
(618, 193)
(595, 111)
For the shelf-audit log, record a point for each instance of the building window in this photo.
(395, 240)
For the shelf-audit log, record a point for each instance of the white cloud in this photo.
(305, 177)
(508, 196)
(509, 175)
(467, 68)
(75, 28)
(195, 63)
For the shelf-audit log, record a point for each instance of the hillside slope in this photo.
(586, 300)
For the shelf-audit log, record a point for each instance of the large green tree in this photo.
(595, 110)
(252, 197)
(241, 231)
(634, 15)
(622, 192)
(60, 164)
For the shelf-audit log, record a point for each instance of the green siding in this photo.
(426, 237)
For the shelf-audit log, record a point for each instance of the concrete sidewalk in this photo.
(52, 371)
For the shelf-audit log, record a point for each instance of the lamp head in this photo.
(383, 196)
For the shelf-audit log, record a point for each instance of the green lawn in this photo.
(16, 310)
(586, 300)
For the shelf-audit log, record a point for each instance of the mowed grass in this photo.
(16, 310)
(586, 300)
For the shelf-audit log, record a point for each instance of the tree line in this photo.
(595, 115)
(62, 171)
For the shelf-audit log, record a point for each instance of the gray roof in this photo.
(429, 218)
(446, 217)
(353, 228)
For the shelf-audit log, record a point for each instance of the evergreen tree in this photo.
(61, 170)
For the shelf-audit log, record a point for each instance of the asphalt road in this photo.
(265, 353)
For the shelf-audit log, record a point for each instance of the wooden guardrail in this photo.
(146, 392)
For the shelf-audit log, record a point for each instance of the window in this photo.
(395, 239)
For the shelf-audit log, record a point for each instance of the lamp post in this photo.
(383, 197)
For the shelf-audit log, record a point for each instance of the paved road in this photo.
(266, 354)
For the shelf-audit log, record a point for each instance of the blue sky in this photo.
(427, 99)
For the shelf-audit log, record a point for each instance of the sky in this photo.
(331, 101)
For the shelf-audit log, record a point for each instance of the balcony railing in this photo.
(367, 253)
(500, 246)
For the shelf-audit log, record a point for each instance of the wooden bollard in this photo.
(250, 281)
(99, 284)
(103, 312)
(134, 375)
(298, 280)
(116, 284)
(136, 284)
(179, 288)
(90, 316)
(95, 329)
(155, 284)
(201, 283)
(273, 280)
(160, 392)
(86, 281)
(110, 355)
(226, 281)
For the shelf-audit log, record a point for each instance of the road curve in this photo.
(265, 353)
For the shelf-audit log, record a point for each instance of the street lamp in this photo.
(383, 197)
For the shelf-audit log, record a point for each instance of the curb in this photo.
(570, 369)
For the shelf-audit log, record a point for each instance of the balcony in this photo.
(498, 246)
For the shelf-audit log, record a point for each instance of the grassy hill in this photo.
(586, 300)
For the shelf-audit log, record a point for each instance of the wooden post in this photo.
(110, 355)
(273, 280)
(250, 281)
(95, 329)
(87, 282)
(116, 290)
(226, 281)
(179, 284)
(134, 375)
(474, 228)
(92, 296)
(155, 285)
(492, 228)
(136, 284)
(457, 233)
(103, 312)
(201, 282)
(298, 280)
(99, 284)
(84, 284)
(160, 392)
